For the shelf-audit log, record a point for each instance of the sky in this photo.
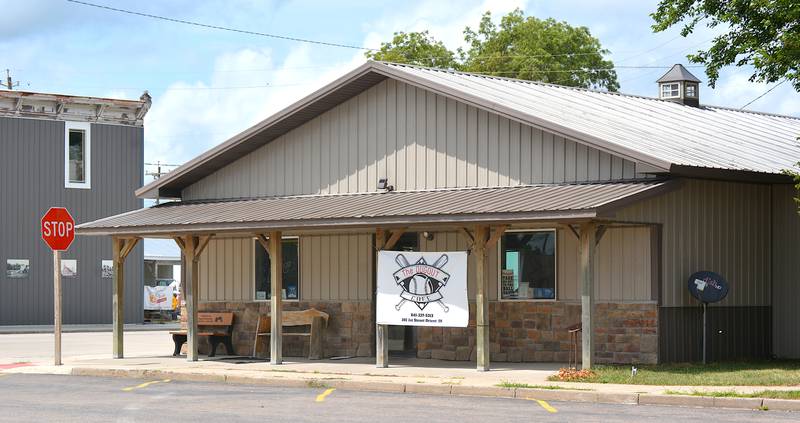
(207, 85)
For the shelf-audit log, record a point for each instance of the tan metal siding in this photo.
(622, 274)
(712, 225)
(786, 273)
(226, 270)
(622, 266)
(419, 139)
(332, 268)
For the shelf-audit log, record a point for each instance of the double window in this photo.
(291, 271)
(77, 155)
(672, 90)
(528, 265)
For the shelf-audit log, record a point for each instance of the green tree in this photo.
(415, 48)
(540, 50)
(521, 47)
(761, 33)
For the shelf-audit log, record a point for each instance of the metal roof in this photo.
(497, 204)
(659, 135)
(678, 73)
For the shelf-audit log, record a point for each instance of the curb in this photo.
(447, 390)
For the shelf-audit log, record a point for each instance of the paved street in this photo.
(85, 399)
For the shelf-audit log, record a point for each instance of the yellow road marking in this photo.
(321, 397)
(544, 405)
(145, 385)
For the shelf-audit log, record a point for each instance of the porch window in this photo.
(291, 272)
(528, 265)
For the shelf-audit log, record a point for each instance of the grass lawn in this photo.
(754, 373)
(791, 395)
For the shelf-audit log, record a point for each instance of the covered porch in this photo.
(478, 217)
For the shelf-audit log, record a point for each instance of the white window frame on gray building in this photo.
(86, 129)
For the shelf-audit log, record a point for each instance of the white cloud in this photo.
(192, 116)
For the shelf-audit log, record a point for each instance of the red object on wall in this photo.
(58, 228)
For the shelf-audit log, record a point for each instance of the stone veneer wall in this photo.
(519, 331)
(536, 331)
(349, 331)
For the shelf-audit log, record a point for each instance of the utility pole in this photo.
(159, 173)
(9, 84)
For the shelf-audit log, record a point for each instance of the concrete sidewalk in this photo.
(404, 376)
(148, 357)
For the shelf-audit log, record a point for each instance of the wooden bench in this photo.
(316, 321)
(218, 327)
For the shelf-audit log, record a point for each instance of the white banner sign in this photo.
(422, 289)
(158, 297)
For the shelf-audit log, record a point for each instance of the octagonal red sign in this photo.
(58, 228)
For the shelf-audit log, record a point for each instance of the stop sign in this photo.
(58, 228)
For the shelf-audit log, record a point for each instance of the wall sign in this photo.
(708, 287)
(422, 289)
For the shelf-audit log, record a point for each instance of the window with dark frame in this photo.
(291, 271)
(528, 265)
(691, 90)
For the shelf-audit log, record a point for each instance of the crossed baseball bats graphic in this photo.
(403, 262)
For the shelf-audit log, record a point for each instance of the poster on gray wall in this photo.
(17, 268)
(69, 268)
(106, 269)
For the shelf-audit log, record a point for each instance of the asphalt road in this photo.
(29, 398)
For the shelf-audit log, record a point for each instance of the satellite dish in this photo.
(708, 287)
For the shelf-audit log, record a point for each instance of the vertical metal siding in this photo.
(32, 175)
(419, 139)
(786, 272)
(712, 225)
(332, 268)
(622, 266)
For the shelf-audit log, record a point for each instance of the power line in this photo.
(763, 94)
(221, 28)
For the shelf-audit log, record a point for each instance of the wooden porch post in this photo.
(120, 250)
(192, 286)
(381, 331)
(191, 247)
(588, 242)
(276, 298)
(481, 301)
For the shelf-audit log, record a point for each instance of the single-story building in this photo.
(576, 206)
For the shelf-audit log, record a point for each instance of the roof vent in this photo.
(680, 86)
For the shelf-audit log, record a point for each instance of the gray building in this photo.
(82, 153)
(579, 206)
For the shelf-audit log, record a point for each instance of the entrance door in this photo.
(403, 339)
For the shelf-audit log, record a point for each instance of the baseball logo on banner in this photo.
(422, 289)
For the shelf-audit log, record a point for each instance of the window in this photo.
(528, 265)
(77, 155)
(291, 271)
(671, 90)
(164, 271)
(691, 90)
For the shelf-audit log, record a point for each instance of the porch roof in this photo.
(551, 202)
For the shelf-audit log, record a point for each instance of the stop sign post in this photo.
(58, 232)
